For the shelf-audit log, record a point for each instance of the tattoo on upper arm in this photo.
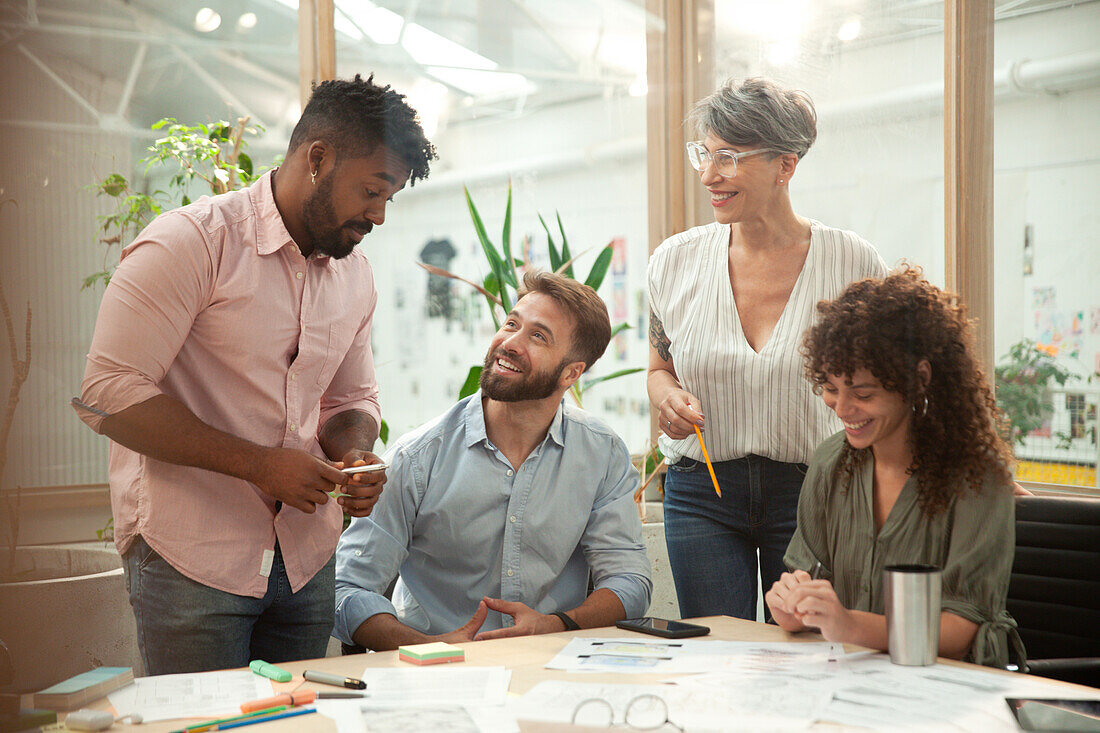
(658, 339)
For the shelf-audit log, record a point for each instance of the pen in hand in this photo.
(815, 574)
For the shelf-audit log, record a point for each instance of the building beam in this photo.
(968, 163)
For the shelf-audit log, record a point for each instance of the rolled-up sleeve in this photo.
(354, 386)
(372, 549)
(977, 569)
(612, 541)
(148, 308)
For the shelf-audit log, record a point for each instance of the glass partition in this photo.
(875, 73)
(546, 99)
(1047, 235)
(85, 80)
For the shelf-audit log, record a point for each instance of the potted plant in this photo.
(1022, 384)
(500, 286)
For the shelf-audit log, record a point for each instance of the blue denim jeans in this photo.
(185, 626)
(713, 542)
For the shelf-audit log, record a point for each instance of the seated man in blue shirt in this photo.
(495, 513)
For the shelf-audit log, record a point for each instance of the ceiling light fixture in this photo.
(207, 20)
(246, 22)
(850, 30)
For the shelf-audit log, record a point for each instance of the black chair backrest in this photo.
(1054, 594)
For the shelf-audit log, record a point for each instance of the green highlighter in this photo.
(270, 671)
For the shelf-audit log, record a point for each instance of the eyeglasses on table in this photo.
(644, 712)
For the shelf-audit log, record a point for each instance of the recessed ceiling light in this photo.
(850, 30)
(247, 21)
(207, 20)
(782, 53)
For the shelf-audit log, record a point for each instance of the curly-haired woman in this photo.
(920, 473)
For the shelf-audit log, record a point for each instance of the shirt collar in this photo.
(271, 232)
(475, 422)
(474, 416)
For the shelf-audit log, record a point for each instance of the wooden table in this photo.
(526, 656)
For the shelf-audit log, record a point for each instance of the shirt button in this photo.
(358, 553)
(511, 573)
(293, 427)
(299, 275)
(293, 376)
(510, 472)
(512, 518)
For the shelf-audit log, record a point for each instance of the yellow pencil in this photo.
(706, 457)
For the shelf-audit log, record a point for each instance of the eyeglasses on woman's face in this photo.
(724, 161)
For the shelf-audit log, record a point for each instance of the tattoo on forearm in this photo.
(657, 337)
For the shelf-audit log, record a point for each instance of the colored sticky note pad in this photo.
(434, 653)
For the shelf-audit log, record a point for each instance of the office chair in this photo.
(1054, 591)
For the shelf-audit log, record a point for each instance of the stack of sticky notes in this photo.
(83, 688)
(434, 653)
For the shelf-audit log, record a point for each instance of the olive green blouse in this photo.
(973, 541)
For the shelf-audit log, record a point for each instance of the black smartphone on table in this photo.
(1038, 714)
(663, 627)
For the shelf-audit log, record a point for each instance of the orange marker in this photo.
(302, 697)
(706, 458)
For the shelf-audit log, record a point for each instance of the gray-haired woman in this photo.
(729, 304)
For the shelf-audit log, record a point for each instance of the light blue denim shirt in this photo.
(456, 522)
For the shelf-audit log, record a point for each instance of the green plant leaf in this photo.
(491, 284)
(185, 200)
(599, 269)
(506, 242)
(245, 164)
(620, 328)
(555, 258)
(220, 132)
(613, 375)
(114, 185)
(472, 383)
(496, 264)
(384, 432)
(565, 256)
(95, 277)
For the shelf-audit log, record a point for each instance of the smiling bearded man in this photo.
(497, 512)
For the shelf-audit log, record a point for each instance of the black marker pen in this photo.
(334, 679)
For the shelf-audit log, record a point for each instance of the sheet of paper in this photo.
(439, 699)
(872, 692)
(454, 684)
(351, 717)
(690, 656)
(200, 695)
(692, 709)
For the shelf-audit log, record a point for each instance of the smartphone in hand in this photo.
(371, 468)
(663, 627)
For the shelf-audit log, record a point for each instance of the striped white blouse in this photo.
(755, 403)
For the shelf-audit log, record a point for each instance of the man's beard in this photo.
(319, 219)
(537, 386)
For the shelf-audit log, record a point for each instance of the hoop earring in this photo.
(924, 407)
(313, 177)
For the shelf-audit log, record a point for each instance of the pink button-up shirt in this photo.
(214, 306)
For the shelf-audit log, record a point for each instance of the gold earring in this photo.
(313, 177)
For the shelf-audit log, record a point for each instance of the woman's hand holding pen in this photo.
(677, 416)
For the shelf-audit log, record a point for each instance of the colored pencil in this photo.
(706, 458)
(210, 724)
(280, 716)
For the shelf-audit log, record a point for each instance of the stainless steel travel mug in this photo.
(913, 613)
